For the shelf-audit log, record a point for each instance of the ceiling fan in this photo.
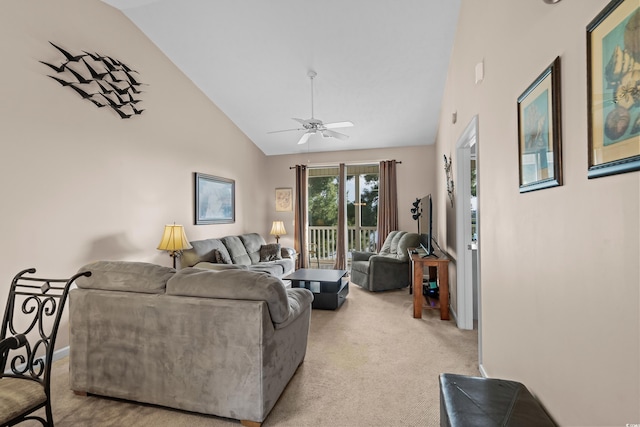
(313, 125)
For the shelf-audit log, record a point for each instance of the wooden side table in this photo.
(441, 265)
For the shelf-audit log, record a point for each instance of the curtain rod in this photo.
(347, 164)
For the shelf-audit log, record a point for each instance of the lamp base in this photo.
(174, 255)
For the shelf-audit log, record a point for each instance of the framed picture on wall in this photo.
(214, 199)
(613, 89)
(284, 199)
(539, 132)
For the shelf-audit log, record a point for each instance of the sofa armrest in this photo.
(385, 259)
(233, 284)
(361, 256)
(300, 300)
(387, 268)
(384, 270)
(288, 253)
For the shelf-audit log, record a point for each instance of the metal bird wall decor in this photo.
(100, 79)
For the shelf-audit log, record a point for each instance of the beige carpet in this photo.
(370, 363)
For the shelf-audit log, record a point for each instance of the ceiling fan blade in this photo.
(304, 138)
(285, 130)
(337, 125)
(333, 134)
(302, 122)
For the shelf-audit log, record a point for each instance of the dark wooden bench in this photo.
(482, 402)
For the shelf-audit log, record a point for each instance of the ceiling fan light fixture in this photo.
(313, 125)
(551, 1)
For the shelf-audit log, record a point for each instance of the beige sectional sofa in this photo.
(224, 343)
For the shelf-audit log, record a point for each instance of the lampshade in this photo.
(174, 239)
(277, 229)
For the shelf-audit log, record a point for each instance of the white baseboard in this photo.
(61, 353)
(454, 315)
(482, 371)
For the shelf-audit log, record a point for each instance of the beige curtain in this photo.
(387, 201)
(300, 231)
(341, 242)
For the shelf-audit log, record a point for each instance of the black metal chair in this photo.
(27, 340)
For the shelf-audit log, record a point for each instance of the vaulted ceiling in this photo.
(380, 64)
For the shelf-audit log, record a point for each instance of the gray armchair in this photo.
(388, 269)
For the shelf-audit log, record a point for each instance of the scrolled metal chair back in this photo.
(34, 309)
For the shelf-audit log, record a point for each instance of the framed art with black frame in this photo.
(214, 199)
(613, 89)
(539, 132)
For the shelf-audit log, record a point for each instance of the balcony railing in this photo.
(322, 241)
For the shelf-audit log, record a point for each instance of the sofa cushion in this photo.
(252, 243)
(204, 250)
(268, 267)
(270, 252)
(236, 250)
(222, 257)
(217, 266)
(279, 268)
(409, 240)
(233, 284)
(393, 249)
(397, 243)
(386, 246)
(288, 265)
(126, 276)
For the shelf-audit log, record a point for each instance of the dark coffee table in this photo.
(330, 288)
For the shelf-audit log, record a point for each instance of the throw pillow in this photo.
(220, 258)
(270, 252)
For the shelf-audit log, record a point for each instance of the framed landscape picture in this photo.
(214, 199)
(539, 132)
(613, 88)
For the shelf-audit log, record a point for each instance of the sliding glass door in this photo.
(362, 211)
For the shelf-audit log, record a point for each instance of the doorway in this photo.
(467, 231)
(322, 204)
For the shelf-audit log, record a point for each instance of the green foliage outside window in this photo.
(323, 204)
(323, 201)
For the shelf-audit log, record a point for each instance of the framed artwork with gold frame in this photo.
(284, 199)
(613, 89)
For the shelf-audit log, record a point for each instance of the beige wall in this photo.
(560, 267)
(416, 178)
(78, 183)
